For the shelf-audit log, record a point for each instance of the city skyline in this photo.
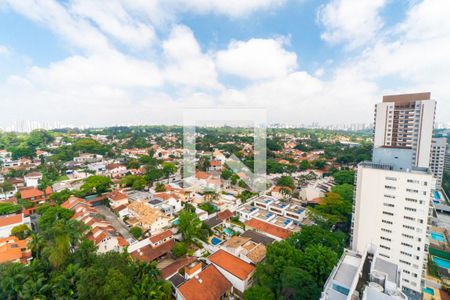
(128, 62)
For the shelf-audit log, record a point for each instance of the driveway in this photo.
(115, 222)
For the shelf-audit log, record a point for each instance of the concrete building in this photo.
(363, 276)
(391, 212)
(437, 159)
(393, 193)
(447, 161)
(405, 123)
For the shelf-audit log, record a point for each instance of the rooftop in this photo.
(209, 284)
(232, 264)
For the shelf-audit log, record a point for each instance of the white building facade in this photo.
(437, 159)
(391, 211)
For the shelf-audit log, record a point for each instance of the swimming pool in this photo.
(443, 263)
(215, 241)
(428, 291)
(228, 231)
(436, 195)
(438, 237)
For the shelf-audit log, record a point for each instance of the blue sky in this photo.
(79, 62)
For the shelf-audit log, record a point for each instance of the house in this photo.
(87, 158)
(32, 179)
(237, 271)
(245, 248)
(73, 202)
(153, 247)
(97, 167)
(35, 195)
(147, 218)
(101, 232)
(201, 284)
(8, 222)
(215, 165)
(14, 250)
(116, 170)
(268, 229)
(280, 192)
(170, 202)
(117, 198)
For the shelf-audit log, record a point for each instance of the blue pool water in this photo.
(428, 291)
(438, 237)
(228, 231)
(216, 241)
(443, 263)
(436, 195)
(176, 221)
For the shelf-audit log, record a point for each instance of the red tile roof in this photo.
(31, 193)
(268, 228)
(232, 264)
(216, 163)
(10, 219)
(117, 195)
(202, 175)
(148, 254)
(225, 215)
(210, 285)
(159, 237)
(175, 266)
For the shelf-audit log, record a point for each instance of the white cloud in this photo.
(111, 69)
(77, 32)
(256, 59)
(186, 64)
(234, 8)
(4, 50)
(112, 18)
(351, 21)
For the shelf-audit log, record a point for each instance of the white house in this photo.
(32, 179)
(237, 271)
(8, 222)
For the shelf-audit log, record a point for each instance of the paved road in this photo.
(113, 219)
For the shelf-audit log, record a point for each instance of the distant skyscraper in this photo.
(393, 192)
(437, 159)
(404, 123)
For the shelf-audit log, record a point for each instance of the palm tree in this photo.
(59, 251)
(37, 244)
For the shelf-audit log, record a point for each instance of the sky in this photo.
(103, 63)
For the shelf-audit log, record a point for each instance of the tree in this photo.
(226, 174)
(51, 214)
(61, 196)
(344, 190)
(333, 210)
(96, 184)
(9, 208)
(318, 261)
(304, 165)
(136, 232)
(319, 163)
(179, 249)
(316, 235)
(189, 225)
(258, 293)
(160, 187)
(6, 187)
(21, 231)
(298, 284)
(286, 181)
(169, 168)
(134, 181)
(344, 176)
